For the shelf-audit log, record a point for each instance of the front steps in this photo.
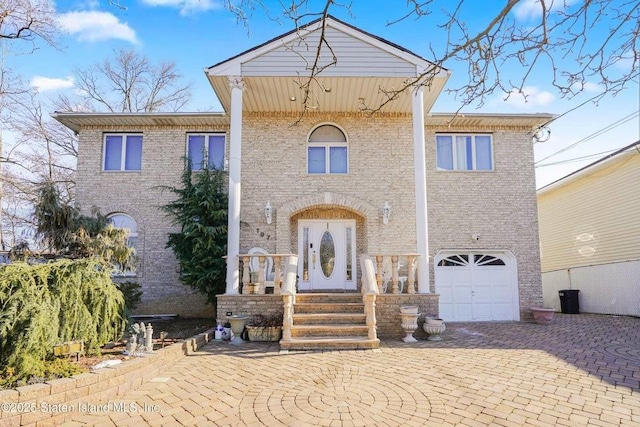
(329, 321)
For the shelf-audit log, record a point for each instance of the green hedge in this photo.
(48, 304)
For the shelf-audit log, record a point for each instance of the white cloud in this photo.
(530, 9)
(43, 84)
(627, 62)
(93, 26)
(530, 97)
(588, 87)
(186, 6)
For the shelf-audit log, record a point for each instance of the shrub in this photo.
(266, 321)
(47, 304)
(132, 292)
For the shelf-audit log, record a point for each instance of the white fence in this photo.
(604, 289)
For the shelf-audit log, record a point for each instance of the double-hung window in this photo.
(206, 151)
(327, 151)
(122, 152)
(458, 152)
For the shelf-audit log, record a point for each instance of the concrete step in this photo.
(329, 321)
(330, 330)
(330, 343)
(329, 318)
(328, 307)
(329, 298)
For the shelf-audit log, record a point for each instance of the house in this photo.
(444, 204)
(590, 235)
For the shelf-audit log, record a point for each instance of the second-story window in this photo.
(206, 151)
(464, 152)
(327, 151)
(122, 152)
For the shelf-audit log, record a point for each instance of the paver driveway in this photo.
(580, 370)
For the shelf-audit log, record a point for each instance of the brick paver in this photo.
(579, 370)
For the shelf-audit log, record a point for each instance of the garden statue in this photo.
(132, 341)
(140, 339)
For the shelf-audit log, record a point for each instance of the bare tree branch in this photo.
(573, 45)
(128, 82)
(28, 20)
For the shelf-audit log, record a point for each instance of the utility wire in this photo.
(605, 129)
(576, 159)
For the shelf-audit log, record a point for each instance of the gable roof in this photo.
(354, 63)
(312, 26)
(592, 167)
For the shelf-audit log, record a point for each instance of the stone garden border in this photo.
(26, 403)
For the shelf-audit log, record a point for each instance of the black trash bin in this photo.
(569, 303)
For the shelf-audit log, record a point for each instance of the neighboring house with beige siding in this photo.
(590, 234)
(443, 203)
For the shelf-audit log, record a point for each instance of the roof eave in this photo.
(591, 168)
(76, 121)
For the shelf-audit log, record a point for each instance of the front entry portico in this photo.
(326, 250)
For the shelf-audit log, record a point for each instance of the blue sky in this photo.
(199, 33)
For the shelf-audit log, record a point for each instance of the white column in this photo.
(419, 157)
(235, 154)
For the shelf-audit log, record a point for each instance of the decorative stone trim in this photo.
(322, 200)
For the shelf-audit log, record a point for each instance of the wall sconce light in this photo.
(386, 211)
(268, 213)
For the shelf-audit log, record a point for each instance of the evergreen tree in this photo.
(64, 230)
(200, 211)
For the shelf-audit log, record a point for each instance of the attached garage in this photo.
(477, 285)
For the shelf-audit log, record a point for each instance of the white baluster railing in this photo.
(289, 295)
(388, 272)
(369, 290)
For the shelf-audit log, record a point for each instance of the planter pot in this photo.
(542, 315)
(433, 322)
(237, 325)
(434, 331)
(409, 309)
(260, 333)
(409, 325)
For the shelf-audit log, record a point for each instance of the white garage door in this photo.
(477, 286)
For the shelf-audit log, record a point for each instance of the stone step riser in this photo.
(328, 298)
(329, 331)
(337, 345)
(310, 308)
(330, 319)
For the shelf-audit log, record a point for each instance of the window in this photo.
(122, 152)
(478, 260)
(327, 151)
(121, 220)
(206, 150)
(464, 152)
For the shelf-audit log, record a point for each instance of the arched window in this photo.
(121, 220)
(327, 151)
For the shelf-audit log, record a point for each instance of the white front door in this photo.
(327, 255)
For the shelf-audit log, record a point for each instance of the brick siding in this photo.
(500, 205)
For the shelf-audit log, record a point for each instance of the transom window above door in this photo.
(327, 151)
(464, 152)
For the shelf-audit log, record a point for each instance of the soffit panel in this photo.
(77, 121)
(348, 94)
